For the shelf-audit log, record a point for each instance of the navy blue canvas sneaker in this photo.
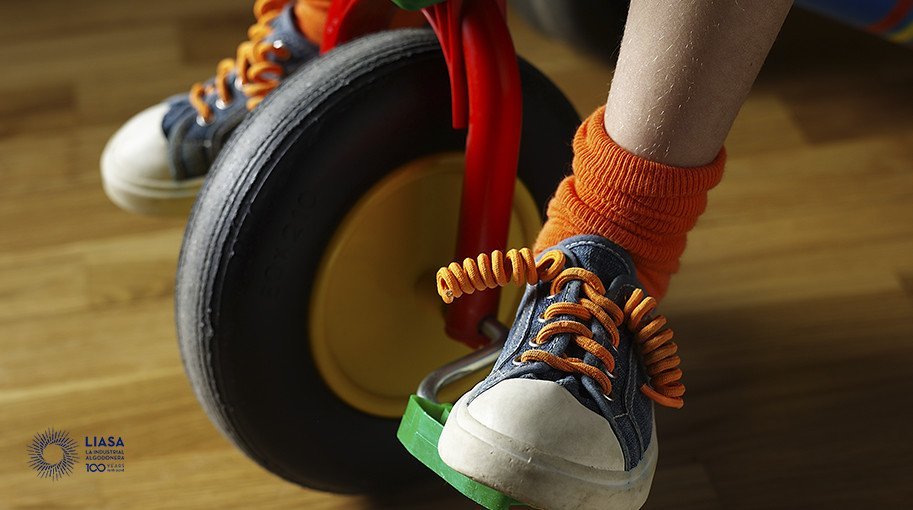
(565, 419)
(156, 162)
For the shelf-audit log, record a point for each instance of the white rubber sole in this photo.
(537, 478)
(157, 198)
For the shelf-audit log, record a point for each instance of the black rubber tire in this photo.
(594, 26)
(259, 228)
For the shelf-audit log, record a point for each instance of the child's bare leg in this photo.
(684, 70)
(642, 169)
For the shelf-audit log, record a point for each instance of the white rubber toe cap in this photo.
(138, 151)
(135, 170)
(533, 441)
(547, 418)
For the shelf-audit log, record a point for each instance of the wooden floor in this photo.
(794, 307)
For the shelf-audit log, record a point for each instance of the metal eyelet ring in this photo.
(517, 361)
(239, 84)
(541, 320)
(222, 104)
(533, 343)
(202, 122)
(279, 45)
(608, 398)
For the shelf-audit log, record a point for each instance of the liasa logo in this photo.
(110, 441)
(104, 454)
(52, 454)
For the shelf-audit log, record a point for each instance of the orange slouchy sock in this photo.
(312, 16)
(645, 207)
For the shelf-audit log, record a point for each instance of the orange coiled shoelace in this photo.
(653, 339)
(257, 75)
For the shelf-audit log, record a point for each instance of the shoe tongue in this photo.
(614, 267)
(600, 256)
(608, 261)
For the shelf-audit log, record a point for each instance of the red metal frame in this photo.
(348, 19)
(487, 98)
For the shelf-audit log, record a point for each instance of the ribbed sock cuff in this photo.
(644, 206)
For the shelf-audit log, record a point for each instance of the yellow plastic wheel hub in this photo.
(376, 322)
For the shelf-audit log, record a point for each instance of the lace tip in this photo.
(663, 400)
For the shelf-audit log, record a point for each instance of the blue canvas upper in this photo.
(628, 410)
(194, 145)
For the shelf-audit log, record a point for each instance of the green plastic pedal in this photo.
(420, 432)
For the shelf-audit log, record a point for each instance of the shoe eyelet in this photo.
(238, 83)
(608, 397)
(280, 46)
(202, 122)
(517, 361)
(541, 320)
(221, 105)
(610, 374)
(532, 343)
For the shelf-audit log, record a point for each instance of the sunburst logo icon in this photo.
(52, 454)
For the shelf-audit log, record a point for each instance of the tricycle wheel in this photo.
(305, 299)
